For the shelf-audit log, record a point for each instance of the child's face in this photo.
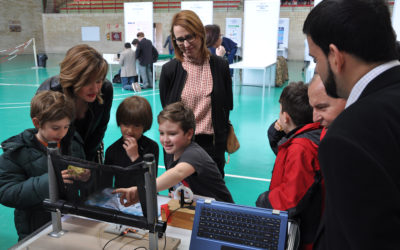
(89, 92)
(172, 137)
(53, 130)
(131, 131)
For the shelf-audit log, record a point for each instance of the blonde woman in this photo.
(82, 78)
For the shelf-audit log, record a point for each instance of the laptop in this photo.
(226, 226)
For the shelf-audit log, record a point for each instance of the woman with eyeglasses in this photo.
(201, 81)
(214, 40)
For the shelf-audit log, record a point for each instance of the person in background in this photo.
(354, 46)
(230, 49)
(296, 182)
(190, 165)
(146, 54)
(82, 79)
(168, 42)
(134, 117)
(129, 77)
(24, 182)
(201, 81)
(214, 40)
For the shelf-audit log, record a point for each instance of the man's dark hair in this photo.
(140, 34)
(127, 45)
(361, 28)
(135, 41)
(294, 101)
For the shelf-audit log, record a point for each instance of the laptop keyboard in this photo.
(239, 228)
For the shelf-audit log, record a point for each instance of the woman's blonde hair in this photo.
(192, 23)
(82, 64)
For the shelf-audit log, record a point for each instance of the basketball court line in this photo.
(238, 176)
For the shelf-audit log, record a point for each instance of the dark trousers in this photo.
(215, 150)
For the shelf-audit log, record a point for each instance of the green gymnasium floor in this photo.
(247, 175)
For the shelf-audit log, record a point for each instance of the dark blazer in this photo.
(146, 53)
(360, 162)
(172, 81)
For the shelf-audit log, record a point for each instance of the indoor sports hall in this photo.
(247, 174)
(37, 34)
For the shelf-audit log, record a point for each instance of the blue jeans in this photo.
(127, 82)
(147, 75)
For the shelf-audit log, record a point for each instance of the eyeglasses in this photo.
(189, 38)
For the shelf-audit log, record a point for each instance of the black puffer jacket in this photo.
(24, 180)
(93, 126)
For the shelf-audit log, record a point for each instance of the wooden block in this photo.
(182, 217)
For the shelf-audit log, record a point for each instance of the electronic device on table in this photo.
(93, 200)
(221, 225)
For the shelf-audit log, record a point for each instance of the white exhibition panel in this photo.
(396, 18)
(317, 2)
(204, 9)
(138, 17)
(260, 37)
(283, 32)
(233, 30)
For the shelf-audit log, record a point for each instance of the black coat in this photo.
(146, 53)
(93, 126)
(172, 81)
(360, 162)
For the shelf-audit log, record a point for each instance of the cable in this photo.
(140, 247)
(121, 234)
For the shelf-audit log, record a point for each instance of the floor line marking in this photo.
(14, 103)
(15, 107)
(238, 176)
(17, 84)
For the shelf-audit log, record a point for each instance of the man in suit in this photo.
(353, 43)
(146, 54)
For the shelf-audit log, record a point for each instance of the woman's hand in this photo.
(131, 147)
(220, 51)
(129, 196)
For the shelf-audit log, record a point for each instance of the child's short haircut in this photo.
(294, 101)
(135, 110)
(52, 106)
(177, 112)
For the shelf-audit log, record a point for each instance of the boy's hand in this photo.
(84, 176)
(67, 176)
(278, 126)
(129, 196)
(131, 147)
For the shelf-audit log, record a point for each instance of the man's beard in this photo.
(330, 84)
